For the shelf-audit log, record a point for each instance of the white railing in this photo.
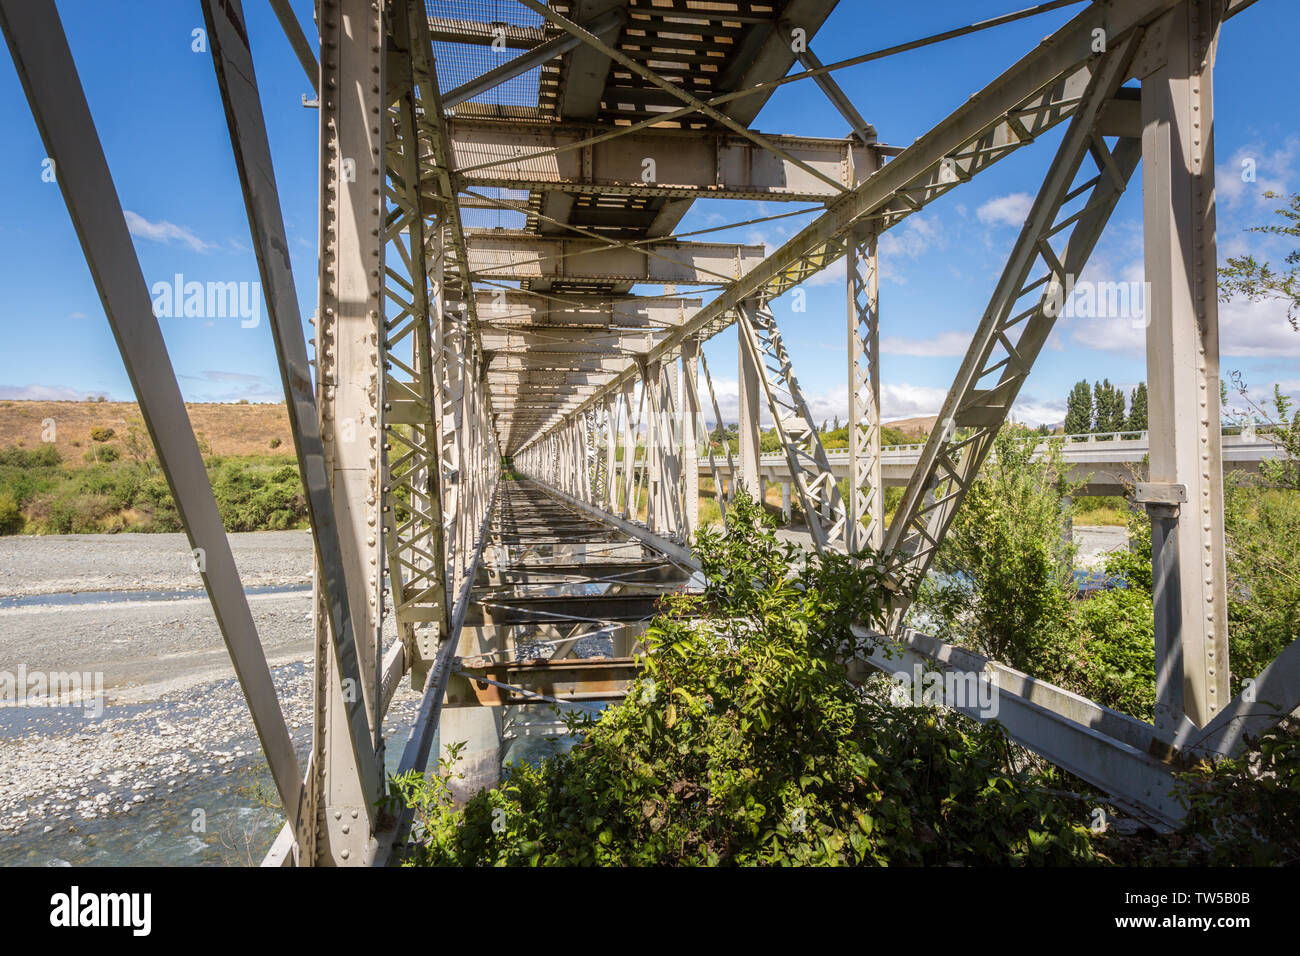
(1132, 441)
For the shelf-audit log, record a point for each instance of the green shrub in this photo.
(73, 514)
(1004, 587)
(1112, 659)
(256, 497)
(101, 433)
(743, 742)
(45, 456)
(1263, 527)
(1244, 811)
(11, 515)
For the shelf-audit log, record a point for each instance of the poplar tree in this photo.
(1078, 409)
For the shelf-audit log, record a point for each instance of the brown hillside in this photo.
(228, 429)
(918, 427)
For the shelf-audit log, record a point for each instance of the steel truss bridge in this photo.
(442, 350)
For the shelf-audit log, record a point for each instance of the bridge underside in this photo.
(500, 276)
(555, 618)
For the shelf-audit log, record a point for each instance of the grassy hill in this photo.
(223, 430)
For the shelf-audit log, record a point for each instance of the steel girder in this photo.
(497, 255)
(1041, 90)
(1063, 226)
(1184, 495)
(692, 433)
(233, 61)
(1109, 749)
(810, 471)
(685, 164)
(414, 380)
(722, 495)
(507, 308)
(349, 356)
(866, 505)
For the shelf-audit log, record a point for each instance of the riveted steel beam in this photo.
(500, 255)
(653, 162)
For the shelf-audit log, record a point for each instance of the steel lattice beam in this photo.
(1063, 226)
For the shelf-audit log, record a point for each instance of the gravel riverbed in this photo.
(172, 730)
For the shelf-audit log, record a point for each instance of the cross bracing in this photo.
(566, 340)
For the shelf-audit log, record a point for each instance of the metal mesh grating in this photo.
(471, 37)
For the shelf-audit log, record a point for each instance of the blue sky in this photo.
(159, 116)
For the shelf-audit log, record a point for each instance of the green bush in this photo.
(258, 498)
(74, 514)
(113, 494)
(1244, 811)
(11, 515)
(1004, 586)
(1263, 527)
(1004, 590)
(46, 456)
(1111, 658)
(744, 743)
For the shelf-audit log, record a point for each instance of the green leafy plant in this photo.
(1243, 811)
(1003, 586)
(744, 742)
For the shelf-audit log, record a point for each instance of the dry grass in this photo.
(227, 429)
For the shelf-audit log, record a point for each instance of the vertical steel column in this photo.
(670, 456)
(866, 489)
(652, 376)
(692, 424)
(609, 494)
(349, 353)
(1183, 349)
(414, 266)
(749, 381)
(722, 494)
(629, 450)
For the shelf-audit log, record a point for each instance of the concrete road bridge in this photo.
(442, 350)
(1099, 464)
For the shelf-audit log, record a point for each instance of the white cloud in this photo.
(42, 393)
(1257, 330)
(896, 401)
(1246, 330)
(223, 386)
(1272, 169)
(1032, 411)
(945, 343)
(914, 238)
(164, 232)
(909, 401)
(1010, 210)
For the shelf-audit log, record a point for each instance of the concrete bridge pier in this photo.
(480, 729)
